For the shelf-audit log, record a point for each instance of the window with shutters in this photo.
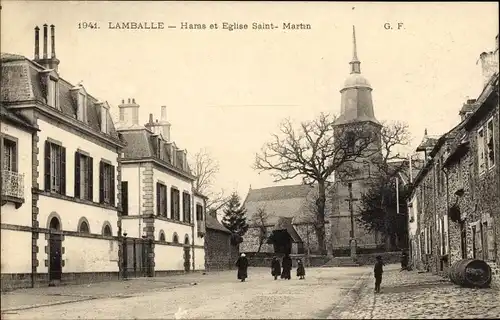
(106, 183)
(174, 204)
(9, 161)
(186, 201)
(124, 192)
(83, 176)
(161, 199)
(55, 168)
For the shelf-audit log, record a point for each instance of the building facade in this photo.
(160, 205)
(454, 203)
(74, 182)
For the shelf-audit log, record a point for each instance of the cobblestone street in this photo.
(412, 295)
(215, 296)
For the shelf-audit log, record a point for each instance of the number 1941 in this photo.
(88, 25)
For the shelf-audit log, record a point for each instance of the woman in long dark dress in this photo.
(301, 271)
(242, 264)
(287, 267)
(275, 268)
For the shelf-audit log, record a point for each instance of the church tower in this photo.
(356, 116)
(356, 112)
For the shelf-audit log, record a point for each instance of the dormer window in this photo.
(82, 107)
(52, 93)
(104, 117)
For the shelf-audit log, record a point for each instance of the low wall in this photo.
(387, 257)
(263, 259)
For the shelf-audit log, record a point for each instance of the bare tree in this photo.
(314, 151)
(205, 168)
(259, 219)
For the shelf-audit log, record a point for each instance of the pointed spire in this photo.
(355, 63)
(425, 132)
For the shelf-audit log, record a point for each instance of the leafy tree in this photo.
(378, 205)
(235, 218)
(378, 210)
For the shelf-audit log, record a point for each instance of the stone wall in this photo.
(251, 241)
(263, 259)
(220, 254)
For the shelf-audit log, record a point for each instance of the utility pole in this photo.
(352, 241)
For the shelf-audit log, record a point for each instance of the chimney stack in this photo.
(164, 113)
(150, 118)
(53, 41)
(45, 41)
(37, 43)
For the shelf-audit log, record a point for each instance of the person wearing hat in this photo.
(377, 271)
(242, 264)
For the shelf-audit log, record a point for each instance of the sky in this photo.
(227, 91)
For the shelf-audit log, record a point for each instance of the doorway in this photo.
(187, 259)
(55, 252)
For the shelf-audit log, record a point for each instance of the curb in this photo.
(351, 294)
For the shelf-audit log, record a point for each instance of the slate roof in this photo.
(141, 145)
(22, 82)
(11, 116)
(280, 201)
(214, 224)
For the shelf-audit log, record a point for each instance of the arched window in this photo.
(83, 226)
(186, 239)
(106, 230)
(162, 236)
(351, 141)
(176, 238)
(54, 224)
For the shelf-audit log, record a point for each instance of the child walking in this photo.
(275, 268)
(377, 271)
(301, 271)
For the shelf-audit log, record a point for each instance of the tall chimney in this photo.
(150, 118)
(37, 43)
(163, 112)
(45, 41)
(53, 40)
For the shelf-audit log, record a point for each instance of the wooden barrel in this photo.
(471, 273)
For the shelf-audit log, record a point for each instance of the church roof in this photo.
(356, 101)
(280, 201)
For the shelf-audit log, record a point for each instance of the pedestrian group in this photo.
(282, 270)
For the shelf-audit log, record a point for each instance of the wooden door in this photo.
(55, 251)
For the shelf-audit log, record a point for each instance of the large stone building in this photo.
(159, 202)
(63, 225)
(455, 199)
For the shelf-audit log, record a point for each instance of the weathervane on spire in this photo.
(355, 63)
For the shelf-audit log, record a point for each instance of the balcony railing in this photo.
(12, 184)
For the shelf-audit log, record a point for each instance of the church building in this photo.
(289, 208)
